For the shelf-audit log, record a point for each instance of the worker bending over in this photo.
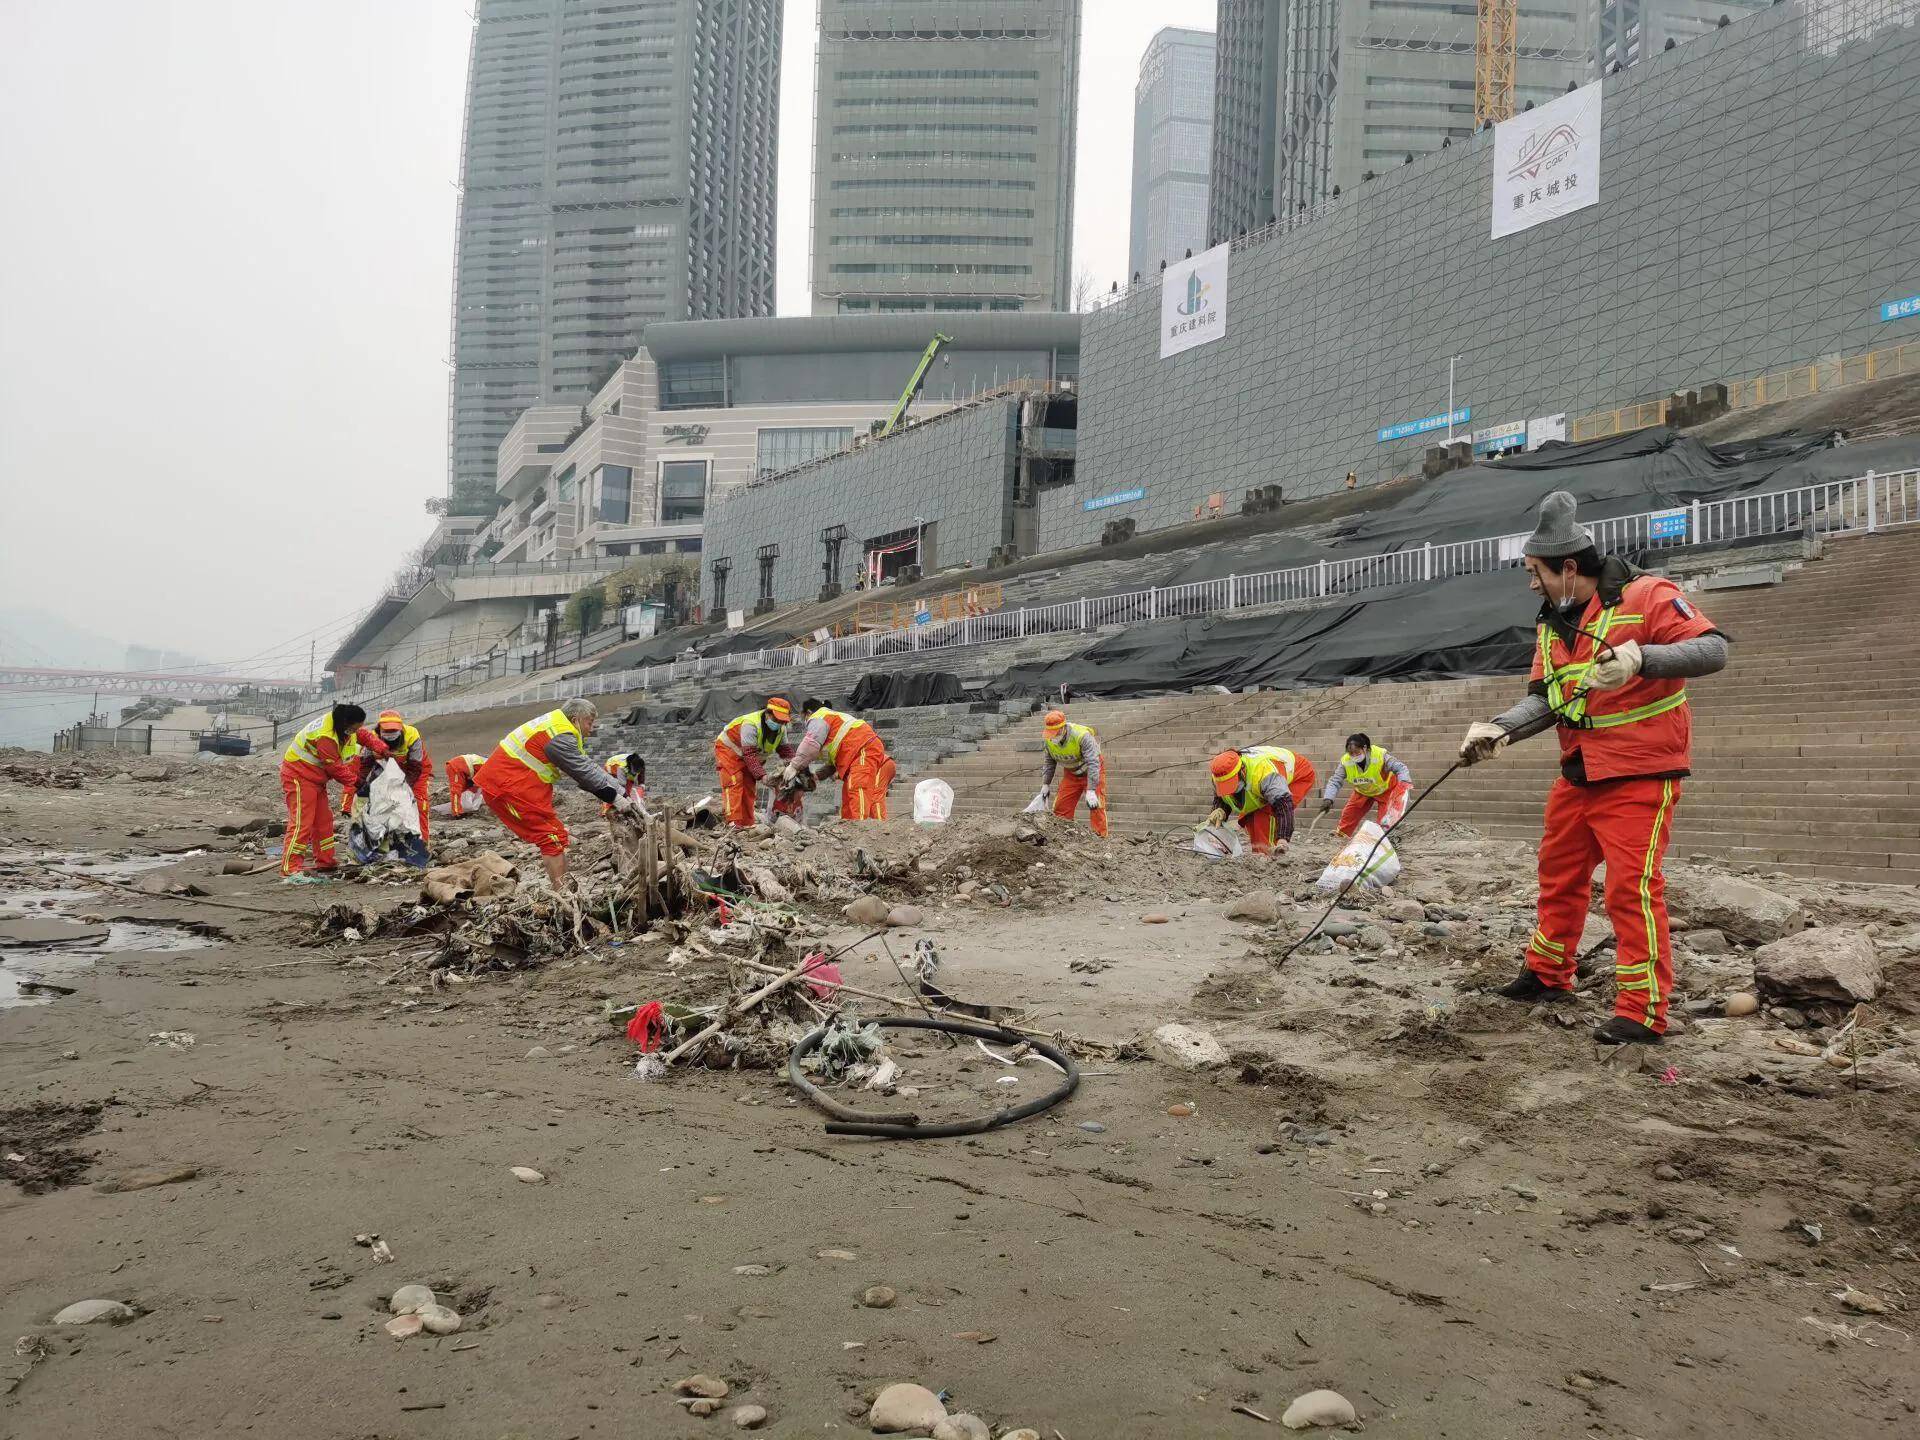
(1262, 786)
(463, 794)
(1076, 749)
(517, 780)
(327, 749)
(401, 742)
(629, 772)
(740, 754)
(857, 755)
(1614, 650)
(1376, 779)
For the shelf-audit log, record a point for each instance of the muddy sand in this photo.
(1454, 1211)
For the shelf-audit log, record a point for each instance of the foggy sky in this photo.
(225, 279)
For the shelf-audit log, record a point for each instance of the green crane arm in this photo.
(913, 385)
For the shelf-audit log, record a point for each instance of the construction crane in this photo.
(907, 396)
(1496, 43)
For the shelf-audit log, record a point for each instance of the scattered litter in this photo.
(172, 1039)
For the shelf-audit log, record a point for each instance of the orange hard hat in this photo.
(1225, 768)
(1055, 721)
(779, 709)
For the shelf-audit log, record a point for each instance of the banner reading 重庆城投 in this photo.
(1546, 162)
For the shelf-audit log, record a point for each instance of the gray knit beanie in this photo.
(1558, 533)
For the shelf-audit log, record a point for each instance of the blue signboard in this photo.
(1122, 497)
(1421, 427)
(1667, 525)
(1900, 309)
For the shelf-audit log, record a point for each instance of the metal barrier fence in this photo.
(1859, 505)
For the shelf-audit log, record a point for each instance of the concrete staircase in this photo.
(1806, 758)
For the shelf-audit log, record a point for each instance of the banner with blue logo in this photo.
(1421, 427)
(1193, 302)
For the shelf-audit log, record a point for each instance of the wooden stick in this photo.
(735, 1012)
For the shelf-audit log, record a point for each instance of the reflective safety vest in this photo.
(734, 735)
(1066, 750)
(1369, 776)
(617, 768)
(409, 737)
(1566, 688)
(839, 727)
(1258, 763)
(301, 751)
(520, 745)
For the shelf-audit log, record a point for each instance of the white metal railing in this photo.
(1861, 504)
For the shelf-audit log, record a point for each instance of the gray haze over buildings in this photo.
(223, 363)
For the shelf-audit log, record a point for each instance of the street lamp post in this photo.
(1451, 361)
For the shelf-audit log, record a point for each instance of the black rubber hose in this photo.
(884, 1127)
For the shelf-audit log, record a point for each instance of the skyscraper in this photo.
(1313, 94)
(1631, 30)
(617, 168)
(943, 155)
(1172, 141)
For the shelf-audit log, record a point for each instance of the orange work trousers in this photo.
(866, 770)
(309, 820)
(1626, 823)
(1072, 787)
(1393, 804)
(523, 802)
(1263, 825)
(737, 786)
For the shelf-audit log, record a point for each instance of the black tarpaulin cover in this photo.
(896, 690)
(1468, 625)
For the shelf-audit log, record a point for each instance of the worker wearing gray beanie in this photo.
(1613, 650)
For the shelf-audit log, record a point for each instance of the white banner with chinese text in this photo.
(1546, 162)
(1193, 302)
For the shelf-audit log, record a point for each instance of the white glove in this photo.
(1483, 739)
(624, 804)
(1036, 805)
(1093, 800)
(1620, 666)
(788, 775)
(1215, 816)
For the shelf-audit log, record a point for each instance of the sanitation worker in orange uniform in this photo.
(1075, 749)
(463, 794)
(403, 743)
(327, 749)
(1376, 778)
(1262, 787)
(517, 780)
(857, 755)
(1614, 650)
(741, 751)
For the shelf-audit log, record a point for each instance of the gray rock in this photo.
(1184, 1048)
(95, 1312)
(707, 1387)
(1258, 907)
(749, 1417)
(1093, 1127)
(905, 917)
(1318, 1409)
(1707, 942)
(1408, 911)
(410, 1300)
(962, 1427)
(539, 1052)
(878, 1297)
(1335, 929)
(867, 910)
(1827, 964)
(1738, 908)
(905, 1409)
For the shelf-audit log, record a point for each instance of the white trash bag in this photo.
(1037, 804)
(386, 821)
(1218, 842)
(1382, 864)
(932, 802)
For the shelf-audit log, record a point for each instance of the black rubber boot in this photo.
(1622, 1031)
(1529, 989)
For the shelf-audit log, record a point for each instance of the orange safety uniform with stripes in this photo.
(315, 756)
(517, 782)
(1623, 755)
(859, 758)
(460, 782)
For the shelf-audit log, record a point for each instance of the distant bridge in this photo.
(20, 679)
